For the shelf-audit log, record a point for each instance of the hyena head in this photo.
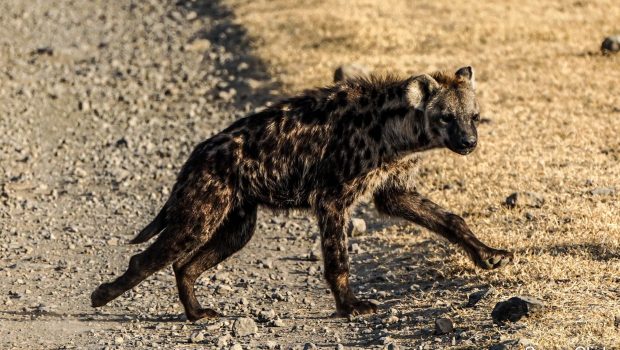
(451, 111)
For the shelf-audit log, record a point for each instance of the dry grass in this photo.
(554, 104)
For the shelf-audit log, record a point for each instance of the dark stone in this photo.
(515, 308)
(443, 326)
(511, 201)
(475, 297)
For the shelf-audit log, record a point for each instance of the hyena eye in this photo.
(447, 118)
(476, 117)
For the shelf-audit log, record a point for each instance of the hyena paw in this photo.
(356, 307)
(494, 258)
(202, 313)
(101, 296)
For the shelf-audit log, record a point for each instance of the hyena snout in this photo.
(468, 141)
(463, 144)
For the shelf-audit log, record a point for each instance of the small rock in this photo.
(358, 226)
(119, 340)
(236, 347)
(524, 199)
(191, 15)
(350, 71)
(122, 143)
(244, 326)
(84, 106)
(443, 326)
(267, 263)
(391, 346)
(515, 308)
(266, 315)
(339, 347)
(44, 50)
(617, 321)
(278, 323)
(314, 255)
(198, 45)
(197, 337)
(392, 319)
(355, 248)
(310, 346)
(475, 297)
(611, 44)
(603, 191)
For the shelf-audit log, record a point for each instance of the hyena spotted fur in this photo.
(321, 151)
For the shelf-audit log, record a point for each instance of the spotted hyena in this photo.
(321, 151)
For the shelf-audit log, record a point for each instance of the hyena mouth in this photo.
(462, 150)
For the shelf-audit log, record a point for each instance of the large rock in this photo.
(611, 44)
(524, 199)
(350, 71)
(443, 326)
(244, 326)
(358, 226)
(516, 308)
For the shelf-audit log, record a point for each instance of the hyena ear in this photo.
(467, 73)
(420, 89)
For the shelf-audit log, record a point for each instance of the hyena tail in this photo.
(154, 228)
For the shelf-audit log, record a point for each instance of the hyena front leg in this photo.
(234, 233)
(412, 206)
(332, 224)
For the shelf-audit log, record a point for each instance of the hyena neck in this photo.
(403, 126)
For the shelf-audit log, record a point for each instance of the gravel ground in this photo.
(100, 104)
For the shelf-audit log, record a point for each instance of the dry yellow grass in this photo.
(554, 104)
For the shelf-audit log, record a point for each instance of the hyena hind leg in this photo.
(175, 242)
(234, 233)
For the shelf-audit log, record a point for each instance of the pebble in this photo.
(355, 248)
(278, 323)
(197, 337)
(477, 296)
(310, 346)
(392, 319)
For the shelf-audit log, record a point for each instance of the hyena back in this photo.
(322, 151)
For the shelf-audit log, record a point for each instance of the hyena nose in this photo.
(469, 141)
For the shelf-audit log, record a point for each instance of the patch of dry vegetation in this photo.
(554, 107)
